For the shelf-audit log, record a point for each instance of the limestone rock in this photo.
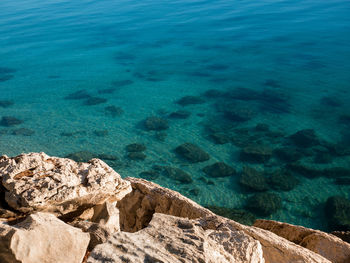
(277, 249)
(329, 246)
(136, 209)
(38, 182)
(174, 239)
(43, 238)
(101, 224)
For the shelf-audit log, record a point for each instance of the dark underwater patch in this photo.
(6, 103)
(9, 121)
(122, 83)
(190, 100)
(23, 132)
(5, 70)
(4, 78)
(114, 111)
(94, 101)
(264, 204)
(78, 95)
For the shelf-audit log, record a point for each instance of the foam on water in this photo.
(144, 56)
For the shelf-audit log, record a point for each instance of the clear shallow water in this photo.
(144, 56)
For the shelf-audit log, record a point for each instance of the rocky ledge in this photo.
(57, 210)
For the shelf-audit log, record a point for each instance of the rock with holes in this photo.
(329, 246)
(43, 238)
(173, 239)
(138, 208)
(38, 182)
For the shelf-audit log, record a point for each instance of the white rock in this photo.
(43, 238)
(173, 239)
(327, 245)
(38, 182)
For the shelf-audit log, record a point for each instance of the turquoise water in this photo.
(284, 64)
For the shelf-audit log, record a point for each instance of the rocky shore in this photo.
(58, 210)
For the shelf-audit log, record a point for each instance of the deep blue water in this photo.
(284, 64)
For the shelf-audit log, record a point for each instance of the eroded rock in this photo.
(181, 240)
(38, 182)
(328, 246)
(41, 237)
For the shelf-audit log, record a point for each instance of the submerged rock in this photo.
(78, 95)
(156, 124)
(6, 77)
(342, 181)
(256, 154)
(101, 133)
(41, 237)
(337, 211)
(180, 114)
(6, 103)
(189, 100)
(238, 114)
(305, 138)
(253, 179)
(219, 169)
(331, 101)
(135, 147)
(288, 154)
(136, 156)
(38, 182)
(73, 134)
(192, 153)
(214, 93)
(23, 132)
(9, 121)
(244, 94)
(106, 91)
(282, 180)
(82, 156)
(344, 119)
(94, 101)
(220, 138)
(177, 174)
(305, 170)
(264, 204)
(114, 111)
(262, 127)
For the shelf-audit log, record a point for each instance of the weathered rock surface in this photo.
(329, 246)
(43, 238)
(102, 224)
(38, 182)
(165, 226)
(174, 239)
(137, 208)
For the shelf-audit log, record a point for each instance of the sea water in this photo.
(83, 76)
